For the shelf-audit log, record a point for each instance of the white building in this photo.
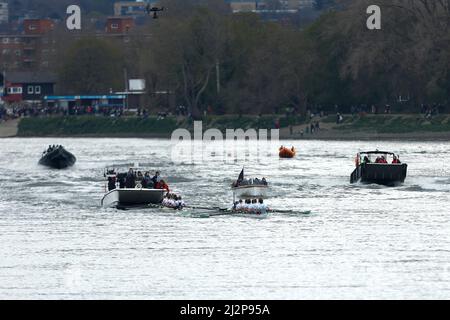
(306, 4)
(4, 12)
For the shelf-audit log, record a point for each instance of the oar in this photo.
(290, 211)
(206, 208)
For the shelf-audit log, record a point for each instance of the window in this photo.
(5, 52)
(37, 90)
(15, 90)
(114, 26)
(32, 27)
(5, 40)
(30, 90)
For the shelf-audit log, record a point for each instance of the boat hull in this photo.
(262, 215)
(132, 197)
(379, 173)
(286, 153)
(251, 191)
(58, 159)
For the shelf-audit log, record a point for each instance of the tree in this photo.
(92, 66)
(188, 52)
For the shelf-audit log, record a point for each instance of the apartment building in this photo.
(32, 49)
(4, 12)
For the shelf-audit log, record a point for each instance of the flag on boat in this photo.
(241, 175)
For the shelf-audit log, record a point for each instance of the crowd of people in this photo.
(382, 159)
(250, 182)
(50, 149)
(254, 206)
(136, 179)
(173, 201)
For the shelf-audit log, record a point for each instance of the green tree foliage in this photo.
(208, 58)
(92, 66)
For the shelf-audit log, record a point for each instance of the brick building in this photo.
(4, 12)
(119, 25)
(33, 49)
(38, 26)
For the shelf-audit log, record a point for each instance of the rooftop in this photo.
(30, 77)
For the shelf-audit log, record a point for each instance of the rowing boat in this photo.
(209, 212)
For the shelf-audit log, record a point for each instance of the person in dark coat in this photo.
(146, 181)
(130, 181)
(111, 183)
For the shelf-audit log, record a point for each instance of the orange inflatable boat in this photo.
(287, 153)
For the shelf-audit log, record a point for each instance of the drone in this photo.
(149, 9)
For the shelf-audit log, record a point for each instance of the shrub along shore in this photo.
(367, 127)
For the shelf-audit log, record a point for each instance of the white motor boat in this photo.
(132, 197)
(122, 195)
(250, 188)
(251, 191)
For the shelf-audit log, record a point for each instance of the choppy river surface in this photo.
(360, 241)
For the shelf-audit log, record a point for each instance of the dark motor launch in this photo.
(57, 157)
(378, 171)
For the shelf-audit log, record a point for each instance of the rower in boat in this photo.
(173, 201)
(251, 206)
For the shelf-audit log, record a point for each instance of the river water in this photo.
(360, 241)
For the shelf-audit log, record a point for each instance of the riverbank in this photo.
(9, 128)
(367, 127)
(375, 127)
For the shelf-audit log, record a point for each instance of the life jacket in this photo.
(161, 185)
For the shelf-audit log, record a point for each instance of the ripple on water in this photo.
(359, 241)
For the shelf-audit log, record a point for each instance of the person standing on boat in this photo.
(111, 183)
(156, 179)
(146, 181)
(130, 181)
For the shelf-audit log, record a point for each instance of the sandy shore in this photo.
(8, 128)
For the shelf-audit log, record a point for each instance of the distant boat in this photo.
(287, 153)
(250, 188)
(57, 158)
(251, 191)
(378, 172)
